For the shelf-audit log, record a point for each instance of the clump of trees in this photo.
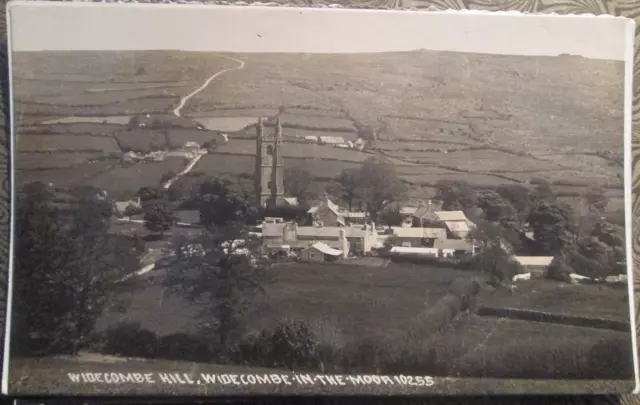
(375, 185)
(66, 262)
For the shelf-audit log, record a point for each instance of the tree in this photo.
(518, 196)
(296, 183)
(559, 269)
(159, 216)
(151, 193)
(377, 185)
(495, 208)
(455, 195)
(66, 262)
(220, 271)
(391, 216)
(543, 191)
(346, 184)
(553, 228)
(596, 200)
(222, 200)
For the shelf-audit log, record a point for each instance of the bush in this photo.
(131, 340)
(291, 344)
(181, 346)
(559, 270)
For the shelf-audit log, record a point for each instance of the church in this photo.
(269, 170)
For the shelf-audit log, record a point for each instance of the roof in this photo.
(451, 216)
(291, 201)
(329, 231)
(354, 214)
(457, 226)
(414, 250)
(453, 244)
(408, 210)
(403, 232)
(534, 260)
(326, 249)
(272, 229)
(188, 216)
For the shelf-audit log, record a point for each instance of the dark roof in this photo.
(188, 216)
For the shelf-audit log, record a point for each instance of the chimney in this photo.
(344, 244)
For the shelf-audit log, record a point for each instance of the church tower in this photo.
(269, 166)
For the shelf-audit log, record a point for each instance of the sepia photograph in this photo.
(253, 200)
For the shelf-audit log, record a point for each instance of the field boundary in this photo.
(560, 319)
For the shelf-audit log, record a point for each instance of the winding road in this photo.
(186, 98)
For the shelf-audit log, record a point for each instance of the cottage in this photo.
(331, 140)
(457, 223)
(418, 237)
(357, 239)
(320, 252)
(327, 214)
(537, 265)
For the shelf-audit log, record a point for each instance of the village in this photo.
(328, 233)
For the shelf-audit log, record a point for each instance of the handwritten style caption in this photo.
(250, 379)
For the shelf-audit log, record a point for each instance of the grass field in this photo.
(562, 110)
(583, 300)
(45, 143)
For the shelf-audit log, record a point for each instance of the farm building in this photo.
(422, 215)
(451, 247)
(457, 223)
(320, 252)
(418, 237)
(537, 265)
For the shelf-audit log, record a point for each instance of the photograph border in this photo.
(631, 142)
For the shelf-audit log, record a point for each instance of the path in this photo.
(186, 170)
(186, 98)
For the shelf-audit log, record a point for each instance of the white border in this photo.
(628, 192)
(9, 315)
(628, 155)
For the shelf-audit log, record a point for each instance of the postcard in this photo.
(220, 200)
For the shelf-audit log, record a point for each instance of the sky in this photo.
(45, 25)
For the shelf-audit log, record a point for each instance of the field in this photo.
(499, 118)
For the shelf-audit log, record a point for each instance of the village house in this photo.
(417, 237)
(457, 223)
(320, 252)
(290, 236)
(327, 213)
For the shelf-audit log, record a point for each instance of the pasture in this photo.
(296, 150)
(600, 301)
(65, 143)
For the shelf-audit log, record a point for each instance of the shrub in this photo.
(291, 344)
(131, 340)
(559, 270)
(181, 346)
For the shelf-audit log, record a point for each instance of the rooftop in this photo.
(326, 249)
(534, 260)
(451, 216)
(453, 244)
(402, 232)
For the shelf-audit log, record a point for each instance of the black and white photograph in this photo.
(230, 200)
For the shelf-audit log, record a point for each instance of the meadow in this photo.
(486, 119)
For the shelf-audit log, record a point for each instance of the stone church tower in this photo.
(269, 166)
